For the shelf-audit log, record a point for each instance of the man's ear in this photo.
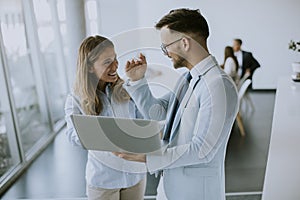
(186, 44)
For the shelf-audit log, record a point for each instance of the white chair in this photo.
(246, 96)
(242, 80)
(241, 93)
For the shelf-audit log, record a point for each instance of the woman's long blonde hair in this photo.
(86, 83)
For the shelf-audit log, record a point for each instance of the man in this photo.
(199, 116)
(247, 63)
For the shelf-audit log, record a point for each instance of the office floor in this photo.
(58, 173)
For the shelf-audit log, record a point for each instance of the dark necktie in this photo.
(178, 98)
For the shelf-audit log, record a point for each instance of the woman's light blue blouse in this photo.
(104, 169)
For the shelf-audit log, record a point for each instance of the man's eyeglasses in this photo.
(164, 46)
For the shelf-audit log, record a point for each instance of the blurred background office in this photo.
(39, 40)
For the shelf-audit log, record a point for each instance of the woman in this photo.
(230, 65)
(98, 91)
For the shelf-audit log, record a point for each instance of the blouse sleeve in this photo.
(72, 107)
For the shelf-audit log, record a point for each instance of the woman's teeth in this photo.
(113, 74)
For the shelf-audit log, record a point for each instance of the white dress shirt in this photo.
(239, 56)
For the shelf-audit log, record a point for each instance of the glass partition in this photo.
(50, 44)
(32, 117)
(9, 151)
(33, 80)
(92, 12)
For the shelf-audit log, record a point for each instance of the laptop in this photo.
(118, 134)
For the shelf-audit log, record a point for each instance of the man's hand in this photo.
(135, 69)
(131, 156)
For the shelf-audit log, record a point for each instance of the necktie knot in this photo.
(188, 77)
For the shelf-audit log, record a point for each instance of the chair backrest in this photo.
(243, 89)
(242, 80)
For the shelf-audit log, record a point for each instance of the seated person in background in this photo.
(247, 63)
(98, 91)
(230, 64)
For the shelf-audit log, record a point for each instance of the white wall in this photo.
(266, 27)
(117, 16)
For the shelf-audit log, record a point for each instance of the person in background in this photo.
(198, 115)
(98, 91)
(247, 63)
(230, 64)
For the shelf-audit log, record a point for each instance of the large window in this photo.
(9, 154)
(92, 18)
(33, 81)
(28, 95)
(51, 48)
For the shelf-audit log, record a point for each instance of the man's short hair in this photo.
(186, 21)
(238, 41)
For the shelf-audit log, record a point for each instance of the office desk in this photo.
(282, 179)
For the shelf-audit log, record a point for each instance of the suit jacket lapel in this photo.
(182, 105)
(207, 65)
(173, 98)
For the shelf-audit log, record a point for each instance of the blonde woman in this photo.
(98, 91)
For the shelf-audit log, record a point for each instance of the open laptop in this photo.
(118, 134)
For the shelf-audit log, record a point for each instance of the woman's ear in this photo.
(186, 44)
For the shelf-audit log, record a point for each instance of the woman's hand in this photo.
(136, 69)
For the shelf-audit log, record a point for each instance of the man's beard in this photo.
(179, 62)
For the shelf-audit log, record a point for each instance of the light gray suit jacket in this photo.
(193, 163)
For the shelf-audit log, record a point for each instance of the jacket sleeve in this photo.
(149, 106)
(254, 64)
